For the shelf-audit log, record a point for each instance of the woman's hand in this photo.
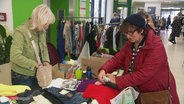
(111, 77)
(100, 76)
(46, 63)
(37, 65)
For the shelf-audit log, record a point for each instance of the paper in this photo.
(63, 92)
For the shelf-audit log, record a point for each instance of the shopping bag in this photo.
(126, 96)
(44, 76)
(158, 97)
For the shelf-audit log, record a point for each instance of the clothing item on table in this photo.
(69, 98)
(101, 93)
(84, 83)
(12, 90)
(27, 96)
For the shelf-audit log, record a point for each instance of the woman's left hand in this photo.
(111, 77)
(46, 63)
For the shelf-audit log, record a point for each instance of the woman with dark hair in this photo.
(144, 60)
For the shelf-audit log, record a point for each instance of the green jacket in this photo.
(22, 54)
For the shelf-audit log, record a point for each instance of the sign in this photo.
(2, 16)
(151, 10)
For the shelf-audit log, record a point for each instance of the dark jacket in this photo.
(151, 67)
(176, 27)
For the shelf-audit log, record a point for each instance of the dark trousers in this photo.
(19, 79)
(172, 39)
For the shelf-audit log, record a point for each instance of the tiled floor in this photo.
(175, 53)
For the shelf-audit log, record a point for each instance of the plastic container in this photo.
(89, 73)
(78, 74)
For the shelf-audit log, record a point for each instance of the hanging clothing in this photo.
(91, 39)
(67, 37)
(53, 54)
(109, 40)
(61, 43)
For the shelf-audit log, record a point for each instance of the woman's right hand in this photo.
(100, 76)
(37, 65)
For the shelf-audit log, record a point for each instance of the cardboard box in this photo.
(94, 62)
(5, 74)
(62, 71)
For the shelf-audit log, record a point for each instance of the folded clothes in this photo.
(84, 83)
(70, 98)
(101, 93)
(12, 90)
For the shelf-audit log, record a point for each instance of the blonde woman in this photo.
(22, 54)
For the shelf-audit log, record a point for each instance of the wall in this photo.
(18, 11)
(145, 6)
(22, 11)
(5, 7)
(137, 6)
(55, 5)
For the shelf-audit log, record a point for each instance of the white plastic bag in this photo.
(127, 96)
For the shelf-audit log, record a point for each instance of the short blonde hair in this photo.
(41, 16)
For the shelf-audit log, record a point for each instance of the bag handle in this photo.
(169, 78)
(170, 102)
(34, 47)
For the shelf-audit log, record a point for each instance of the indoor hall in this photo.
(98, 13)
(175, 53)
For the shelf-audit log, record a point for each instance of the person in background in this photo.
(163, 23)
(150, 23)
(115, 18)
(176, 29)
(148, 19)
(182, 25)
(181, 17)
(141, 59)
(168, 22)
(22, 55)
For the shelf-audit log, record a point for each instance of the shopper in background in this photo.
(148, 19)
(144, 59)
(181, 17)
(115, 18)
(176, 29)
(22, 55)
(168, 22)
(182, 26)
(162, 23)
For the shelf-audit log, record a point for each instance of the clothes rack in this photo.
(100, 19)
(117, 23)
(78, 17)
